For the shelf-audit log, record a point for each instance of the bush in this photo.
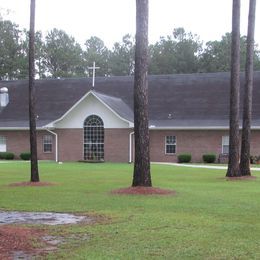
(254, 159)
(6, 156)
(209, 158)
(25, 156)
(184, 158)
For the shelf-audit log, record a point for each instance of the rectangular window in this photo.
(225, 144)
(170, 144)
(2, 143)
(47, 143)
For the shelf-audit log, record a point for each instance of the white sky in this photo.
(111, 19)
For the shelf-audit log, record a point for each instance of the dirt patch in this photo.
(144, 191)
(241, 178)
(32, 184)
(21, 242)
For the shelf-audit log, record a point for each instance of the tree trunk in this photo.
(142, 176)
(247, 113)
(233, 163)
(32, 115)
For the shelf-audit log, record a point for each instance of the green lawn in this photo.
(209, 218)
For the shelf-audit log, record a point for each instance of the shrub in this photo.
(209, 158)
(184, 158)
(6, 156)
(25, 156)
(254, 159)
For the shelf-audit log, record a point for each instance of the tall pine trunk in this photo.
(233, 163)
(248, 88)
(32, 114)
(142, 176)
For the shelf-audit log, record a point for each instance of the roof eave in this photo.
(196, 128)
(19, 128)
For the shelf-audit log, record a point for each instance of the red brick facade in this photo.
(117, 145)
(70, 144)
(195, 142)
(17, 142)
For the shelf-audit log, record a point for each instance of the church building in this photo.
(188, 113)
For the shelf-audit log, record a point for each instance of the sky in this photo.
(110, 20)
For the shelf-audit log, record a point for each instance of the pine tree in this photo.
(247, 113)
(32, 115)
(233, 163)
(142, 175)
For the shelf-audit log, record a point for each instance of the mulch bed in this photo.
(32, 184)
(143, 191)
(24, 239)
(241, 178)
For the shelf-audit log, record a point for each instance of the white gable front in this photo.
(90, 105)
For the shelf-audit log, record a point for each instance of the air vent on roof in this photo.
(170, 116)
(4, 97)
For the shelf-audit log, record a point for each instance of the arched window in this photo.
(93, 139)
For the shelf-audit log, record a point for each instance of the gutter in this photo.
(151, 127)
(56, 143)
(130, 146)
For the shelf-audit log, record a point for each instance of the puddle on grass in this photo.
(18, 255)
(45, 218)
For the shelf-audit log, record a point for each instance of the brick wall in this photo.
(195, 142)
(70, 144)
(70, 147)
(18, 142)
(117, 145)
(255, 143)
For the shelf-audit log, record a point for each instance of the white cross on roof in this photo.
(93, 68)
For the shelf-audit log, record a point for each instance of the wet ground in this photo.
(18, 242)
(45, 218)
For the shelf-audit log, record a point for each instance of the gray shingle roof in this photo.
(117, 105)
(192, 99)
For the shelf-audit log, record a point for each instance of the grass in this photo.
(209, 218)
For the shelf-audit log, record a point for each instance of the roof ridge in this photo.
(103, 94)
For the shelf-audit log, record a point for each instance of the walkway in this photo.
(200, 166)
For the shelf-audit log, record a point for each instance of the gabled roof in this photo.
(193, 100)
(115, 105)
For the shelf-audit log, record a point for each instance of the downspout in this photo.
(56, 143)
(130, 146)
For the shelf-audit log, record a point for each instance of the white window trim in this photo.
(85, 142)
(43, 144)
(224, 138)
(3, 146)
(165, 145)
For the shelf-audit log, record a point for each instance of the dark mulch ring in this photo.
(241, 178)
(144, 191)
(32, 184)
(14, 240)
